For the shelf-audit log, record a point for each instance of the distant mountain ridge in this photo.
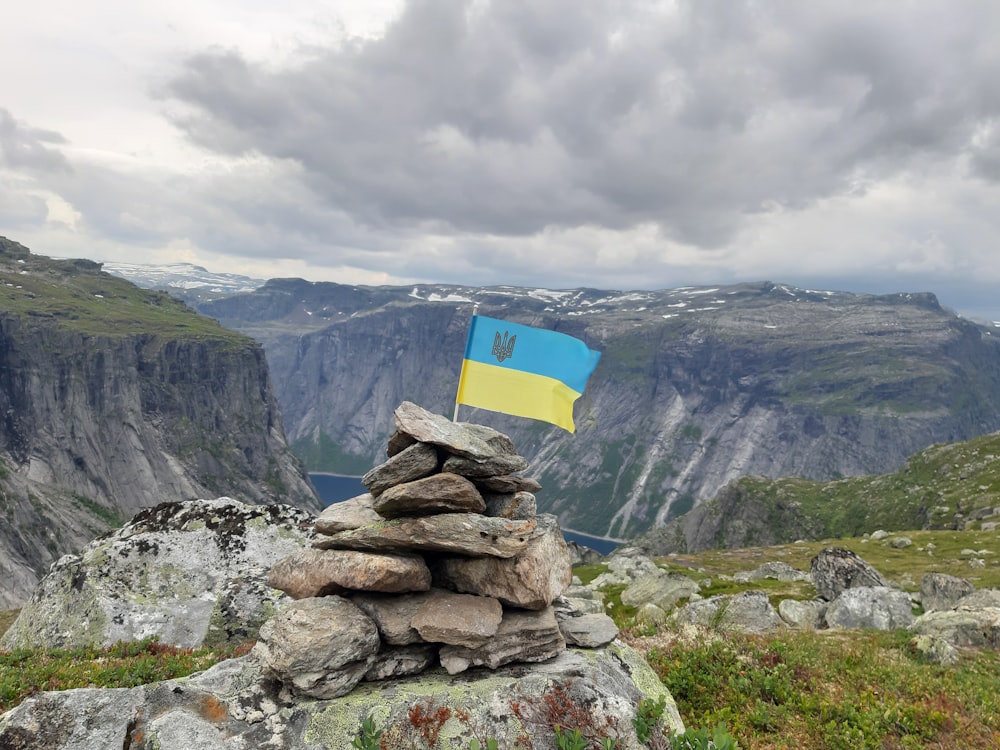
(697, 386)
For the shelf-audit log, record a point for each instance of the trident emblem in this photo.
(503, 348)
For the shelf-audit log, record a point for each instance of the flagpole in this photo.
(475, 311)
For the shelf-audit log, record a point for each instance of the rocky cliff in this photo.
(696, 386)
(114, 399)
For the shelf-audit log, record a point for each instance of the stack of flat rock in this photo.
(444, 561)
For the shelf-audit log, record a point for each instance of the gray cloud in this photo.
(506, 118)
(612, 143)
(28, 148)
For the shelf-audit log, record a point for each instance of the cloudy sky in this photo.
(616, 144)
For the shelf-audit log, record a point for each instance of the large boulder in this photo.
(873, 607)
(836, 569)
(746, 612)
(231, 706)
(191, 573)
(979, 628)
(941, 591)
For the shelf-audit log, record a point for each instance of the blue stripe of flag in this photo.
(536, 350)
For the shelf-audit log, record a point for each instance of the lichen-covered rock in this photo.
(942, 591)
(874, 607)
(230, 706)
(183, 572)
(746, 612)
(962, 627)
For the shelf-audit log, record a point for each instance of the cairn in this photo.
(444, 561)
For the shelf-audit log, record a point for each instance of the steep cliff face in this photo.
(114, 399)
(696, 386)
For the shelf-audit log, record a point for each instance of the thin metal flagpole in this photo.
(475, 311)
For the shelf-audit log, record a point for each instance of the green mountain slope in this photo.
(946, 486)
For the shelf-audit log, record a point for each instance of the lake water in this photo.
(335, 488)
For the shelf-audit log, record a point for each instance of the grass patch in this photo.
(828, 690)
(7, 617)
(931, 552)
(24, 672)
(838, 690)
(78, 296)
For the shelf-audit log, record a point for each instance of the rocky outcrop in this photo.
(233, 706)
(192, 573)
(114, 399)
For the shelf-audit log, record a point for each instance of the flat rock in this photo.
(588, 630)
(438, 493)
(508, 484)
(484, 467)
(414, 462)
(313, 572)
(457, 619)
(348, 514)
(462, 533)
(459, 438)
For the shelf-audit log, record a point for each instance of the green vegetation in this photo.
(77, 296)
(942, 487)
(835, 691)
(829, 690)
(107, 516)
(24, 671)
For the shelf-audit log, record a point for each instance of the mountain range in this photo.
(697, 386)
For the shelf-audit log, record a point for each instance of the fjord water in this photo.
(335, 488)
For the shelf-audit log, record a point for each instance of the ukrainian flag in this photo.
(524, 371)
